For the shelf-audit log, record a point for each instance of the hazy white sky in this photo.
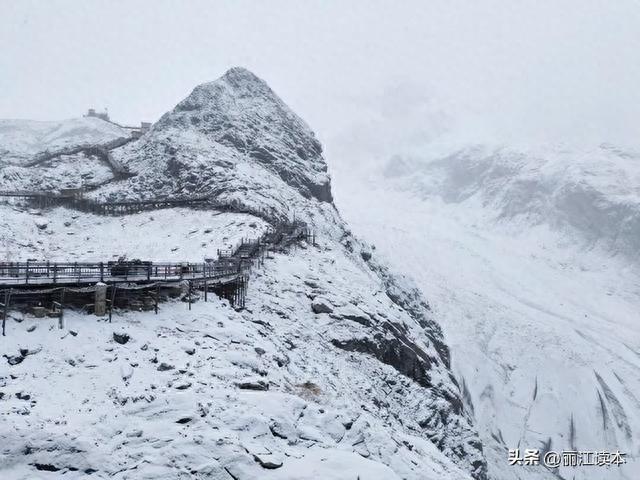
(366, 75)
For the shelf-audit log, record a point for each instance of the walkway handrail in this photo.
(228, 265)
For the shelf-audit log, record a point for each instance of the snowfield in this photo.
(163, 235)
(66, 171)
(20, 140)
(531, 265)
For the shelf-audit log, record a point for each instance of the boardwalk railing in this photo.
(36, 273)
(76, 201)
(229, 264)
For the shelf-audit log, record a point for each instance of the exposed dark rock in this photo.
(14, 359)
(276, 430)
(361, 319)
(401, 353)
(268, 461)
(410, 299)
(259, 385)
(320, 305)
(121, 337)
(45, 467)
(163, 367)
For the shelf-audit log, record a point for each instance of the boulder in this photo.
(257, 385)
(321, 305)
(268, 461)
(163, 367)
(121, 337)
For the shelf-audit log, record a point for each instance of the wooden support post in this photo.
(189, 294)
(7, 300)
(157, 298)
(113, 299)
(206, 290)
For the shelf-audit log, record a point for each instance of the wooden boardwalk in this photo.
(75, 200)
(37, 284)
(225, 268)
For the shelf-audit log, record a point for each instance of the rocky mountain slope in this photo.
(233, 139)
(530, 257)
(337, 368)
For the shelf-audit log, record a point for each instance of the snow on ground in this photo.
(215, 393)
(66, 171)
(542, 321)
(162, 235)
(20, 140)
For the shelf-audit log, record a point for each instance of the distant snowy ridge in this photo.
(591, 193)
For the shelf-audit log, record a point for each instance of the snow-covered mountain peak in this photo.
(239, 123)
